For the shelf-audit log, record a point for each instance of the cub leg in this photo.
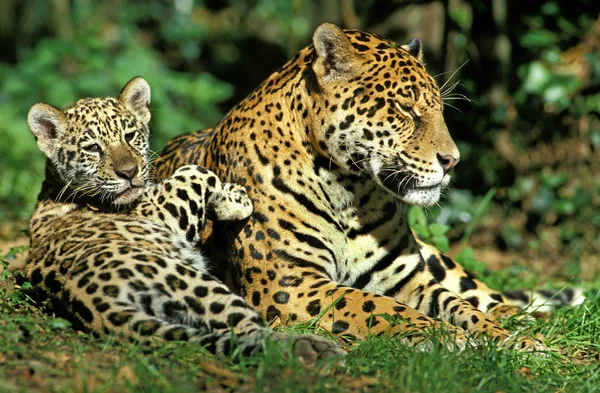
(192, 194)
(230, 202)
(180, 304)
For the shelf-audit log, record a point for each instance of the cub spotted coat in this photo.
(118, 252)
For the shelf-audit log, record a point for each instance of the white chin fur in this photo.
(422, 197)
(128, 196)
(426, 195)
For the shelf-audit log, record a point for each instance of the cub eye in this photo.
(94, 148)
(130, 136)
(408, 110)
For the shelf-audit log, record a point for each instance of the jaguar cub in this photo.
(119, 252)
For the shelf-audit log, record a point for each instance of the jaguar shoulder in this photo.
(119, 252)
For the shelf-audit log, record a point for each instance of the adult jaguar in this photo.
(332, 150)
(117, 251)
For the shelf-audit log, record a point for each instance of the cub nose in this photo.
(127, 173)
(447, 161)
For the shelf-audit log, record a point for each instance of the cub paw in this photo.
(233, 203)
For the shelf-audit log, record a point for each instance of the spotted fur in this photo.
(332, 149)
(119, 252)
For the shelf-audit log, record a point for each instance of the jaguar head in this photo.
(98, 149)
(381, 113)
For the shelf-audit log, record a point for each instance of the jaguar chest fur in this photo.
(354, 227)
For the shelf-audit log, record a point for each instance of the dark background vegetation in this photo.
(529, 179)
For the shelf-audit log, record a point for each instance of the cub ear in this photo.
(335, 53)
(136, 98)
(414, 48)
(47, 124)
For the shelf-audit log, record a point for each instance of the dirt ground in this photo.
(11, 236)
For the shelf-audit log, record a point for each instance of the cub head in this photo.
(380, 114)
(98, 148)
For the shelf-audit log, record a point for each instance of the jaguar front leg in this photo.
(455, 278)
(422, 291)
(294, 293)
(498, 305)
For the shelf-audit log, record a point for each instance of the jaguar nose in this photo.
(447, 161)
(127, 173)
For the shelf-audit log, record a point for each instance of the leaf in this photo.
(511, 236)
(416, 217)
(438, 229)
(537, 78)
(59, 324)
(564, 206)
(441, 242)
(595, 139)
(26, 286)
(539, 38)
(467, 259)
(581, 198)
(543, 200)
(482, 207)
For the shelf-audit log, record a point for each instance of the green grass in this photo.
(40, 353)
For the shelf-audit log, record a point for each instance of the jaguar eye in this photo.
(130, 136)
(93, 148)
(407, 109)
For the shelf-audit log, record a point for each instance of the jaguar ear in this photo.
(136, 98)
(335, 54)
(415, 48)
(47, 124)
